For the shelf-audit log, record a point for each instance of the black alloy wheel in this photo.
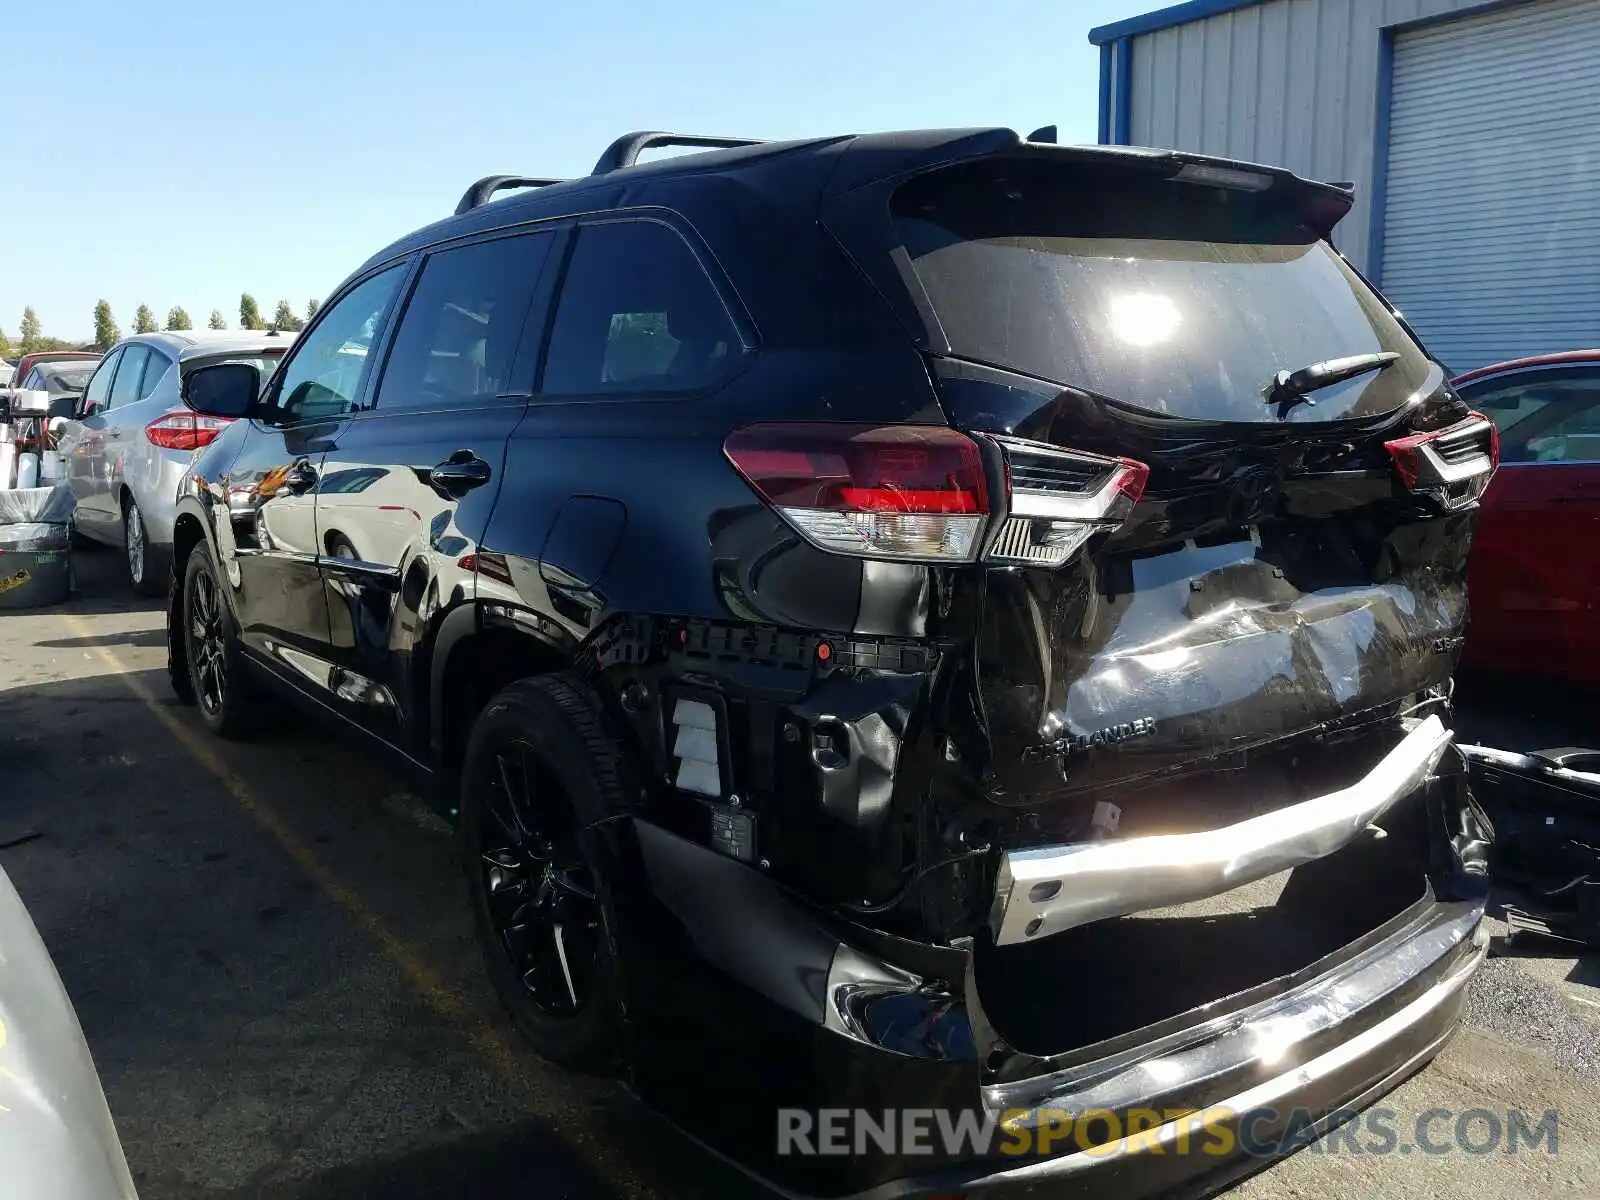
(541, 773)
(541, 891)
(228, 700)
(208, 658)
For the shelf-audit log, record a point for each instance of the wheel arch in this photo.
(187, 533)
(476, 651)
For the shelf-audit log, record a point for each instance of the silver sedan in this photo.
(131, 438)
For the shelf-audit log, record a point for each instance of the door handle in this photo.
(459, 473)
(301, 477)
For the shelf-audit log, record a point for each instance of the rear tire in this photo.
(540, 771)
(226, 696)
(138, 555)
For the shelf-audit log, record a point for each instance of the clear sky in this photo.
(168, 152)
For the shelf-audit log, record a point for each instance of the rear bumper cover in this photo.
(1044, 891)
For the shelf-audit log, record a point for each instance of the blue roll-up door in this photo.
(1492, 217)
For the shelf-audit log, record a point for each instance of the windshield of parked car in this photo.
(1180, 298)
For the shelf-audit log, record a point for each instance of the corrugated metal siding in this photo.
(1492, 228)
(1292, 82)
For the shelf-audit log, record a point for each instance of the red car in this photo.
(1535, 574)
(28, 361)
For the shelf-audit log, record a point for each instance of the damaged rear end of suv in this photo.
(1124, 787)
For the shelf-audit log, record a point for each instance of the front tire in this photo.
(540, 772)
(224, 694)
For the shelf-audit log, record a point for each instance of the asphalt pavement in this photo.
(269, 951)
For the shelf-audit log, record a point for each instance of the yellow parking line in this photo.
(488, 1041)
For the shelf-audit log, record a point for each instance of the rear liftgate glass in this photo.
(1238, 504)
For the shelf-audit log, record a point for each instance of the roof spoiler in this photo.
(624, 152)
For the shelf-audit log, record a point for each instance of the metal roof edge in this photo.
(1166, 18)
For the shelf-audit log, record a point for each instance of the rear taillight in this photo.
(180, 429)
(1059, 499)
(913, 493)
(919, 493)
(1452, 465)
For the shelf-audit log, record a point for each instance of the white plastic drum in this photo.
(28, 470)
(52, 467)
(8, 465)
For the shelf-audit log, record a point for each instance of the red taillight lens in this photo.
(909, 492)
(1453, 465)
(180, 429)
(1131, 478)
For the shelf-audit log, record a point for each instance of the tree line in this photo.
(108, 333)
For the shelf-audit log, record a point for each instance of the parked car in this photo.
(903, 621)
(57, 1135)
(27, 362)
(132, 437)
(62, 380)
(1535, 589)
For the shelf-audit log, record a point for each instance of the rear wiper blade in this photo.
(1289, 388)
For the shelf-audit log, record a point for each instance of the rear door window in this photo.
(155, 367)
(637, 314)
(458, 339)
(1174, 297)
(265, 361)
(125, 388)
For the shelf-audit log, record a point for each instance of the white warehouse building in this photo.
(1470, 131)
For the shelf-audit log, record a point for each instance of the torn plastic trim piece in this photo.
(1054, 888)
(1552, 765)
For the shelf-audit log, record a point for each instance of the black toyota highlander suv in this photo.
(923, 621)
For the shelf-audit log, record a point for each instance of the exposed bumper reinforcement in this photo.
(1047, 890)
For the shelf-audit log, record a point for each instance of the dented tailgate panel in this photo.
(1113, 671)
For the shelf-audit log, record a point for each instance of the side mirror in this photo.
(224, 390)
(67, 405)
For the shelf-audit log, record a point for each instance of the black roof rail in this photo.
(480, 192)
(625, 151)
